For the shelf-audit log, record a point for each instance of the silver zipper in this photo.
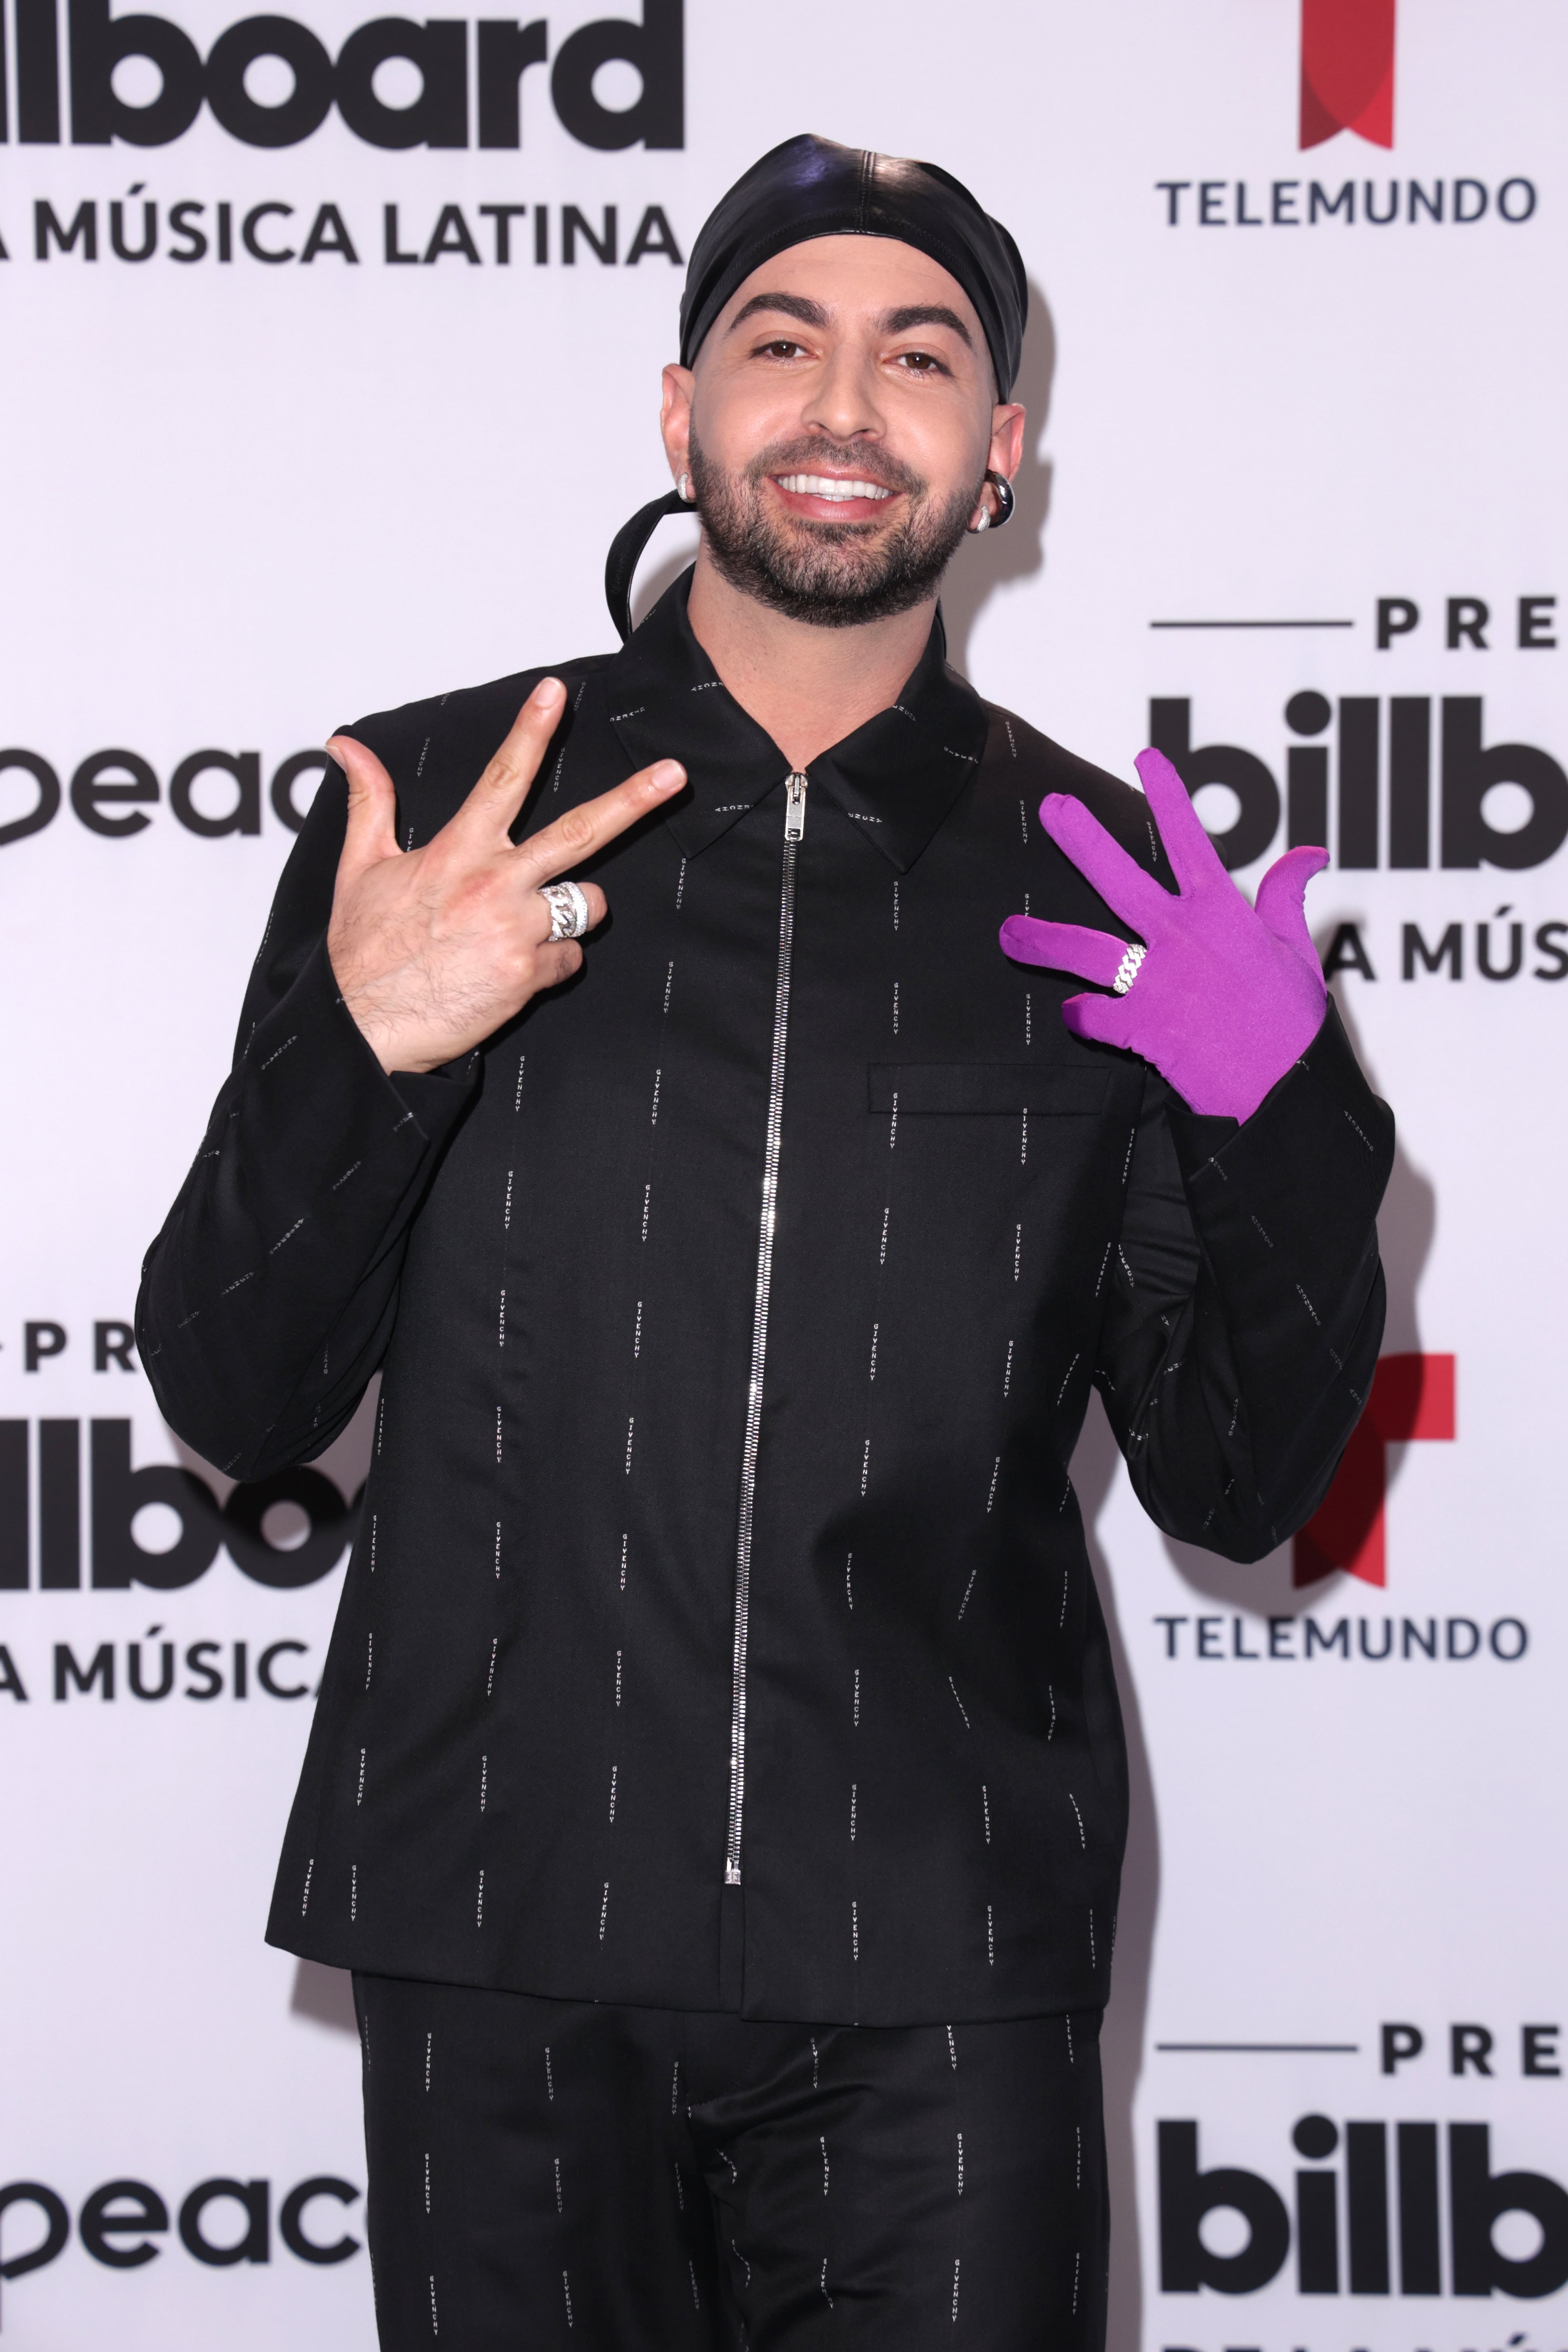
(794, 829)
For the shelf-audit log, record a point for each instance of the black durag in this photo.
(813, 187)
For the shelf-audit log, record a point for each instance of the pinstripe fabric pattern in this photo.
(520, 1770)
(612, 2179)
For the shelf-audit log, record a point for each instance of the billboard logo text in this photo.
(97, 43)
(1394, 2215)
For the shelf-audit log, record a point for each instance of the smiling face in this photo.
(838, 426)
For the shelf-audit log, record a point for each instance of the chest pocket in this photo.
(994, 1090)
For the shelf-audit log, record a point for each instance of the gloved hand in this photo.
(1225, 997)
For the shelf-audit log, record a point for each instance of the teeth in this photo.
(823, 486)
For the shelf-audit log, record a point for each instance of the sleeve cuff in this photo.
(1310, 1165)
(436, 1096)
(314, 1011)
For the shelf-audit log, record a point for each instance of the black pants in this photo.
(555, 2173)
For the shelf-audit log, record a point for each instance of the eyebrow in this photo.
(892, 322)
(791, 306)
(925, 314)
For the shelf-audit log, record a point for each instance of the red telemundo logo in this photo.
(1347, 70)
(1412, 1398)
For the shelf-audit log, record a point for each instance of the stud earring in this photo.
(683, 489)
(981, 521)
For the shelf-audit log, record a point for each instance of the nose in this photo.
(843, 402)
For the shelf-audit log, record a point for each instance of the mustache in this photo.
(817, 454)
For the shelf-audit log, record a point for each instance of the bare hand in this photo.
(434, 949)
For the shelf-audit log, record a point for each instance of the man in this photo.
(717, 1785)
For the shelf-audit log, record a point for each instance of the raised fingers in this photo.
(584, 829)
(370, 833)
(1280, 898)
(1192, 855)
(1126, 890)
(485, 816)
(1063, 947)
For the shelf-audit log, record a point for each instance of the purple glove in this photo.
(1224, 998)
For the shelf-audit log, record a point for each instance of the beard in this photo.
(834, 575)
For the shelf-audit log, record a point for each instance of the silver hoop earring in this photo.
(683, 489)
(1005, 498)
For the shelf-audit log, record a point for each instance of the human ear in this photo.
(675, 418)
(1007, 421)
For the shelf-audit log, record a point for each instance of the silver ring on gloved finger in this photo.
(568, 910)
(1127, 970)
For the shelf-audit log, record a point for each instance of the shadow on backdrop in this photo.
(1096, 1463)
(1405, 1226)
(998, 560)
(1405, 1229)
(325, 1995)
(676, 547)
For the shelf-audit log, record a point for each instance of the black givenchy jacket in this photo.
(720, 1631)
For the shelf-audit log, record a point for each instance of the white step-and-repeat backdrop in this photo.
(330, 365)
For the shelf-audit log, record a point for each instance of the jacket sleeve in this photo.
(268, 1300)
(1246, 1308)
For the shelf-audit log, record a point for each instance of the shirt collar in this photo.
(896, 778)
